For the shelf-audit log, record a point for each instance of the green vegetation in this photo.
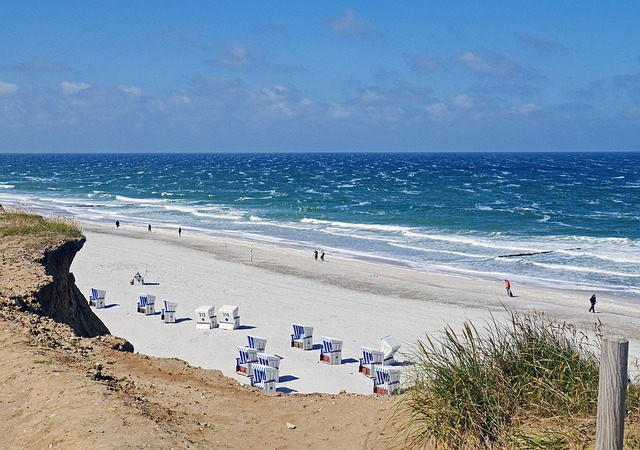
(527, 383)
(42, 361)
(18, 223)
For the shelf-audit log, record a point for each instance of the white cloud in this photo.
(437, 110)
(273, 94)
(529, 108)
(348, 25)
(369, 96)
(424, 63)
(463, 101)
(70, 88)
(131, 90)
(239, 56)
(8, 88)
(180, 100)
(488, 62)
(337, 112)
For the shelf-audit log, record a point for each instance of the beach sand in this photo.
(274, 286)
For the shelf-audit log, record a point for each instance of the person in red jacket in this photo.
(507, 285)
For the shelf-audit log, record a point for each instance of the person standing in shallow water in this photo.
(593, 303)
(179, 231)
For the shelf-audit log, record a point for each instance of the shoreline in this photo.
(489, 272)
(274, 286)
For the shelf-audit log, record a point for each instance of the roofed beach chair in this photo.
(257, 343)
(331, 351)
(229, 317)
(370, 358)
(247, 357)
(206, 317)
(169, 312)
(97, 298)
(386, 380)
(302, 337)
(264, 377)
(147, 304)
(389, 346)
(271, 361)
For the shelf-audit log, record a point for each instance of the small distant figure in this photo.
(315, 254)
(149, 228)
(322, 256)
(507, 285)
(593, 304)
(117, 224)
(179, 231)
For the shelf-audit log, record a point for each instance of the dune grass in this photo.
(526, 383)
(20, 223)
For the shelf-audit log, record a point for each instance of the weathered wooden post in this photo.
(612, 391)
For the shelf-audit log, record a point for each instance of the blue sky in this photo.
(204, 76)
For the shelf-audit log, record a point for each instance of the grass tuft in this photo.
(485, 389)
(20, 223)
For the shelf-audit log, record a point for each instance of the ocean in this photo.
(568, 220)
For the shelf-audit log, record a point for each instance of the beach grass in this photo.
(22, 223)
(526, 383)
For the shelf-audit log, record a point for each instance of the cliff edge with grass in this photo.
(36, 255)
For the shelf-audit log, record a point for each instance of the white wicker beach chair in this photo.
(247, 357)
(331, 351)
(264, 377)
(386, 380)
(302, 337)
(370, 358)
(257, 343)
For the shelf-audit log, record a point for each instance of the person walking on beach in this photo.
(179, 231)
(593, 304)
(507, 285)
(149, 228)
(322, 256)
(315, 255)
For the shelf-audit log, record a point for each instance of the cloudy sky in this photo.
(253, 76)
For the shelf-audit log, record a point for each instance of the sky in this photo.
(324, 76)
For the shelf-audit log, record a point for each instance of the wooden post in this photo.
(612, 390)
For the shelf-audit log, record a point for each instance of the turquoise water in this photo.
(553, 218)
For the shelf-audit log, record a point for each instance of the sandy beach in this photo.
(275, 286)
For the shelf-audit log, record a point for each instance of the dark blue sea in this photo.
(565, 220)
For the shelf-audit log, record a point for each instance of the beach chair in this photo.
(206, 317)
(257, 343)
(264, 377)
(389, 345)
(247, 357)
(169, 312)
(271, 361)
(370, 358)
(147, 304)
(139, 278)
(97, 298)
(302, 337)
(386, 380)
(331, 351)
(229, 317)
